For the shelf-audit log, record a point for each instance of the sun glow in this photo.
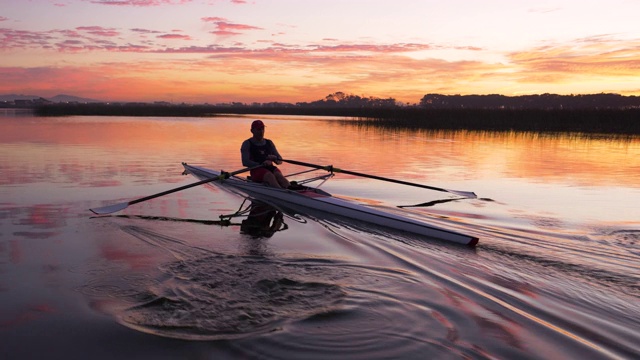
(243, 51)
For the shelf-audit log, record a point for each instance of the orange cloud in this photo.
(277, 71)
(595, 56)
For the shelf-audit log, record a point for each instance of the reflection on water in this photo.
(555, 274)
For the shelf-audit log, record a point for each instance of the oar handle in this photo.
(295, 162)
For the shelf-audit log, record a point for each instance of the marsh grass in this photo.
(605, 121)
(594, 121)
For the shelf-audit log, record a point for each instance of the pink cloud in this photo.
(213, 19)
(225, 33)
(92, 39)
(174, 37)
(2, 18)
(226, 28)
(10, 38)
(98, 30)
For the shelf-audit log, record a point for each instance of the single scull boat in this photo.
(316, 199)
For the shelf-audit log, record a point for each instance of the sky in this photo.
(213, 51)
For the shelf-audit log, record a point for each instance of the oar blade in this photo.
(109, 209)
(117, 207)
(467, 194)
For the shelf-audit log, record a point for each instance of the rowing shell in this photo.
(316, 199)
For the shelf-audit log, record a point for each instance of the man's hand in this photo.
(267, 163)
(274, 159)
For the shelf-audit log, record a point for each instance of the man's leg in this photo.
(270, 179)
(282, 181)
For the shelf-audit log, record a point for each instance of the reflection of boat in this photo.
(262, 219)
(316, 199)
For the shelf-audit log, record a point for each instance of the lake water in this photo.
(555, 274)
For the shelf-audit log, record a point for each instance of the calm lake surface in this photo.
(554, 276)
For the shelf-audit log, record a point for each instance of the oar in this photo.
(331, 168)
(117, 207)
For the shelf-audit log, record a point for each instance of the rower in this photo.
(256, 151)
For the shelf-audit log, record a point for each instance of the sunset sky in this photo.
(215, 51)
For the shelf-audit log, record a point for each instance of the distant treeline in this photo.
(544, 101)
(601, 113)
(604, 120)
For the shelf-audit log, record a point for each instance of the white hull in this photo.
(322, 201)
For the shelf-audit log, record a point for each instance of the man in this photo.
(258, 150)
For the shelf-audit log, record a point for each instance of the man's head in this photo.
(257, 124)
(257, 129)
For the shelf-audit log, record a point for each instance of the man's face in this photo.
(258, 133)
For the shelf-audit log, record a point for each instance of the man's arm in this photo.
(246, 157)
(278, 158)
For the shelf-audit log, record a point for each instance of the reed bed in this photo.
(602, 121)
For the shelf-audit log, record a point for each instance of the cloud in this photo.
(225, 28)
(10, 38)
(98, 30)
(2, 18)
(373, 48)
(93, 39)
(593, 56)
(174, 37)
(265, 70)
(145, 31)
(213, 19)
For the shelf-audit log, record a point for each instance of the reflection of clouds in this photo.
(521, 287)
(491, 323)
(36, 222)
(43, 216)
(134, 259)
(30, 313)
(101, 183)
(35, 235)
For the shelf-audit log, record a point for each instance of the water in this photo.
(555, 274)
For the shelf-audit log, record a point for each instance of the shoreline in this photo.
(619, 121)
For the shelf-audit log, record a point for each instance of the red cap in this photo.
(258, 124)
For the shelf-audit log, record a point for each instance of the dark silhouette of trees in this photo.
(598, 113)
(342, 100)
(543, 101)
